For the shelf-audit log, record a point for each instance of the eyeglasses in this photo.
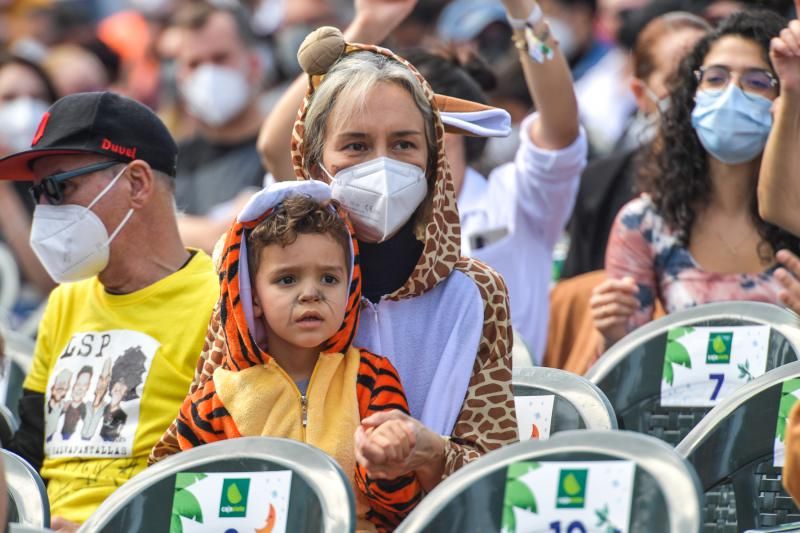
(52, 187)
(754, 81)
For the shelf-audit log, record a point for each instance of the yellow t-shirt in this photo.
(114, 370)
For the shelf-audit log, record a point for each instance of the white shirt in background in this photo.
(518, 215)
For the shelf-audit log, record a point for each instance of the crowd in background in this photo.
(624, 185)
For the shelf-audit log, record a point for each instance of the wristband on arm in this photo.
(531, 35)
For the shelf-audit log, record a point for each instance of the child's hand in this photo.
(385, 450)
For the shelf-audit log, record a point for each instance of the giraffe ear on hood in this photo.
(471, 118)
(324, 46)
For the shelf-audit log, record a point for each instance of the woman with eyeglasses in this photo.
(696, 236)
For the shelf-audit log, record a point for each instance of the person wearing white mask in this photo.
(373, 123)
(512, 220)
(26, 91)
(598, 68)
(104, 227)
(219, 75)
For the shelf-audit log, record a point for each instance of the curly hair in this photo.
(675, 172)
(129, 368)
(294, 216)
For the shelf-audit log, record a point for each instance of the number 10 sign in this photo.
(704, 365)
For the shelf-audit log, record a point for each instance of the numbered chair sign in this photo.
(790, 393)
(231, 502)
(568, 497)
(702, 366)
(534, 416)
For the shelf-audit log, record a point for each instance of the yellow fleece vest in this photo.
(264, 401)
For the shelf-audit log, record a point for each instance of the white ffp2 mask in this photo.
(70, 240)
(215, 94)
(380, 195)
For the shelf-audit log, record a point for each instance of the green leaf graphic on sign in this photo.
(185, 505)
(744, 371)
(719, 345)
(789, 386)
(184, 479)
(571, 485)
(604, 521)
(517, 494)
(788, 399)
(517, 470)
(234, 496)
(676, 353)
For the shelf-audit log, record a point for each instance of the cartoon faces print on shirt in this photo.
(94, 391)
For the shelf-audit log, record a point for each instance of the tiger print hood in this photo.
(242, 331)
(437, 225)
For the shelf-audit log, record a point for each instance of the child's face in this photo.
(301, 290)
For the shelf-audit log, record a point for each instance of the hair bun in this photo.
(320, 50)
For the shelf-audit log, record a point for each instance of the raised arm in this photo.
(373, 22)
(779, 182)
(549, 83)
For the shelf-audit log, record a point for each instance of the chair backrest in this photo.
(660, 488)
(8, 424)
(791, 527)
(19, 528)
(631, 372)
(554, 400)
(521, 356)
(18, 347)
(19, 353)
(9, 279)
(318, 497)
(27, 496)
(734, 445)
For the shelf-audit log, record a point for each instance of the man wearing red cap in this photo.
(133, 302)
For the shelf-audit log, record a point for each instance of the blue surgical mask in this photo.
(732, 126)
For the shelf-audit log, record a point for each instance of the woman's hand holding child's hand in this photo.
(385, 450)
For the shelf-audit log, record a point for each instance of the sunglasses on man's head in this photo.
(52, 187)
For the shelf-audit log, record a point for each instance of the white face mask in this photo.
(215, 94)
(20, 119)
(70, 240)
(380, 195)
(563, 33)
(661, 103)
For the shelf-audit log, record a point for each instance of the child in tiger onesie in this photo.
(289, 301)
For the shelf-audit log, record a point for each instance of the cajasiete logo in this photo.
(572, 488)
(233, 503)
(719, 348)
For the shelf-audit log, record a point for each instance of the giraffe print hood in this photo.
(437, 223)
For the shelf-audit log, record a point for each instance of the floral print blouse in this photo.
(642, 246)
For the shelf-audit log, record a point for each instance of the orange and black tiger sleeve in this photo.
(204, 419)
(379, 389)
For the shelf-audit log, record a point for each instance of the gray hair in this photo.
(356, 75)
